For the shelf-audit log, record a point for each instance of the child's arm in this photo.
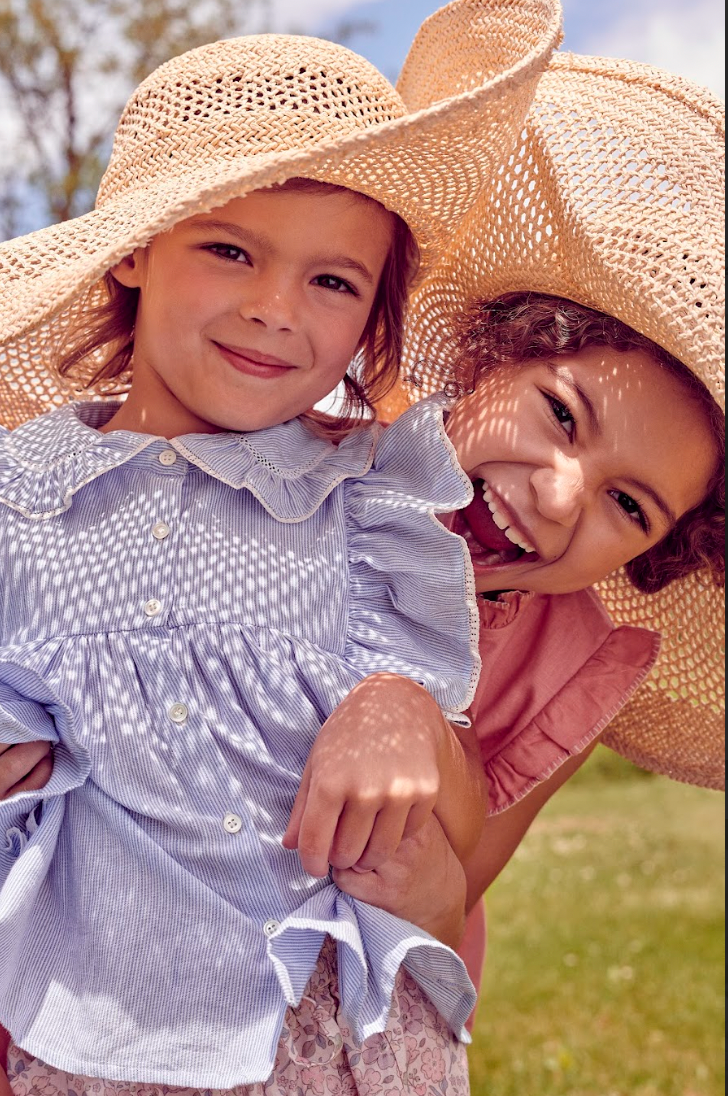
(24, 767)
(420, 883)
(381, 764)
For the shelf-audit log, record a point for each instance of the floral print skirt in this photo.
(417, 1054)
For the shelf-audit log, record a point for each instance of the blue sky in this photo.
(683, 36)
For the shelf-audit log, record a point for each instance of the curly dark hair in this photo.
(524, 326)
(106, 330)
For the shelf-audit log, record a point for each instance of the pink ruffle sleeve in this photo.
(555, 672)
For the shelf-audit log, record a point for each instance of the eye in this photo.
(230, 252)
(562, 414)
(337, 285)
(632, 509)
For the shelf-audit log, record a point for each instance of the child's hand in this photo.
(372, 777)
(24, 767)
(423, 883)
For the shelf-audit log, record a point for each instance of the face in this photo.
(579, 463)
(250, 314)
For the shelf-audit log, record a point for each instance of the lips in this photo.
(253, 362)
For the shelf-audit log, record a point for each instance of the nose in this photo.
(269, 301)
(559, 489)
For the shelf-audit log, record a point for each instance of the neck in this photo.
(156, 412)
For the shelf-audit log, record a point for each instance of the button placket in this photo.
(163, 565)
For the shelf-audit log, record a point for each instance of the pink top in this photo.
(555, 672)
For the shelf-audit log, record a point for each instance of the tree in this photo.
(66, 69)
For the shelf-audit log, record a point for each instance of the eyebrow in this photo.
(246, 237)
(656, 498)
(596, 426)
(588, 406)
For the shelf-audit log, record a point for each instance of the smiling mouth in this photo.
(487, 528)
(252, 362)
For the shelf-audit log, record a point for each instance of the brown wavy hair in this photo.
(521, 327)
(105, 331)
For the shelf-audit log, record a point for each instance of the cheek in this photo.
(338, 339)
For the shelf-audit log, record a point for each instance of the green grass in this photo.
(605, 969)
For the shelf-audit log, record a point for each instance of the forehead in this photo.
(296, 195)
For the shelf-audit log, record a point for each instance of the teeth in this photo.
(514, 538)
(501, 521)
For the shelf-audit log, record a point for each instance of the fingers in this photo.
(366, 886)
(316, 831)
(418, 817)
(36, 779)
(26, 766)
(367, 837)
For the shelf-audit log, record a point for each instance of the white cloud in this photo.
(684, 38)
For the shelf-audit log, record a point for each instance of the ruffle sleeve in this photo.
(555, 672)
(413, 607)
(30, 821)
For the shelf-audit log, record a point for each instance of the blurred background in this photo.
(606, 948)
(68, 66)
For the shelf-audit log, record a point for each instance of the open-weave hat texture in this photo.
(242, 114)
(614, 198)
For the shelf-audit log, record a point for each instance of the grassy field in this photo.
(605, 971)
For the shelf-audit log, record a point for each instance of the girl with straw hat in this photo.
(210, 575)
(589, 277)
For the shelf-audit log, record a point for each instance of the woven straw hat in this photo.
(241, 114)
(614, 198)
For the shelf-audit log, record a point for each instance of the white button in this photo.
(160, 530)
(167, 456)
(153, 607)
(232, 823)
(270, 927)
(178, 713)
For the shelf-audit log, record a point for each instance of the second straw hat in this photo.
(614, 198)
(245, 113)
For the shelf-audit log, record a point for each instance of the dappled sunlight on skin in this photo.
(373, 776)
(590, 458)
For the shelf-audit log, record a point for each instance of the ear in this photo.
(130, 271)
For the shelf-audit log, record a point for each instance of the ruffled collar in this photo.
(289, 470)
(503, 610)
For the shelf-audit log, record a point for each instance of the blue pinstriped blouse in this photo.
(180, 618)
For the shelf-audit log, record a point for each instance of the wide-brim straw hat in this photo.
(245, 113)
(613, 197)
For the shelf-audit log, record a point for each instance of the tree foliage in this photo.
(66, 69)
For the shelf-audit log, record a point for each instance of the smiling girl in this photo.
(579, 322)
(211, 574)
